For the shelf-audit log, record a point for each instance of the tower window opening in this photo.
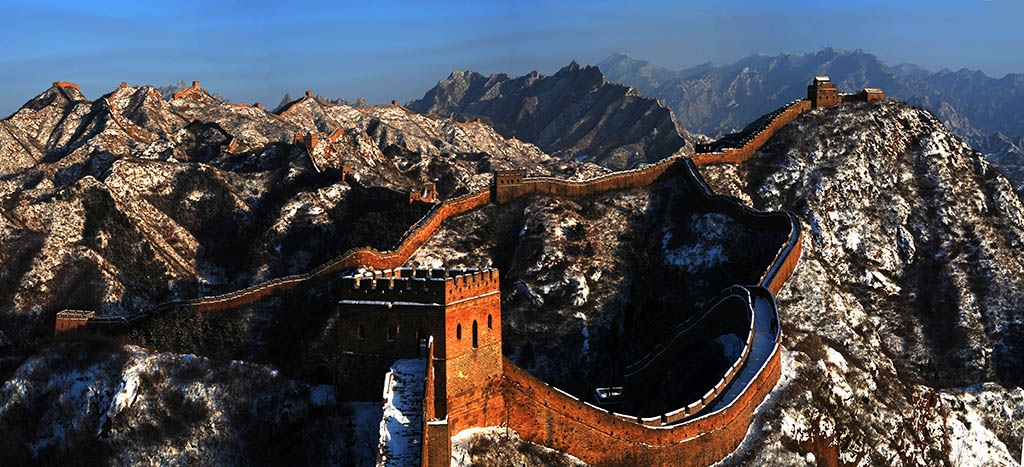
(392, 333)
(490, 322)
(475, 342)
(361, 332)
(458, 331)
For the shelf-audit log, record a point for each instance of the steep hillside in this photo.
(1008, 155)
(85, 403)
(910, 282)
(129, 200)
(573, 114)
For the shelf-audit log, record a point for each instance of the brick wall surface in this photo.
(66, 84)
(508, 191)
(547, 416)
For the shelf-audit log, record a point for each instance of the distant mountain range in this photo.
(574, 114)
(715, 99)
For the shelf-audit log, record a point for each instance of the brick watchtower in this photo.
(507, 184)
(390, 315)
(822, 92)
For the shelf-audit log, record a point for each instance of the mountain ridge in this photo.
(574, 114)
(718, 99)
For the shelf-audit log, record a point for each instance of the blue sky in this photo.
(251, 51)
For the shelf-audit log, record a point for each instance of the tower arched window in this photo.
(476, 343)
(392, 333)
(490, 322)
(361, 332)
(458, 331)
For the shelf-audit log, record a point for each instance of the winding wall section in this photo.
(698, 434)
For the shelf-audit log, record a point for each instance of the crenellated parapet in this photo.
(737, 152)
(511, 184)
(71, 319)
(437, 286)
(402, 285)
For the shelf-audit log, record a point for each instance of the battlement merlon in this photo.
(70, 319)
(421, 285)
(471, 284)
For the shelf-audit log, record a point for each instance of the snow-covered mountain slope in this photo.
(95, 403)
(909, 292)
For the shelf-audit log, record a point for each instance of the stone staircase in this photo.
(401, 427)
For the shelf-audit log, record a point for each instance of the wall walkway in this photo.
(753, 141)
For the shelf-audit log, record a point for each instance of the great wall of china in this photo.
(699, 433)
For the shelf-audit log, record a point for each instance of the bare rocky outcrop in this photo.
(97, 404)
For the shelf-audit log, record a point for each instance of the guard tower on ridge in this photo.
(822, 92)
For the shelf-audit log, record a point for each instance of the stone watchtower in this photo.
(507, 184)
(392, 314)
(822, 92)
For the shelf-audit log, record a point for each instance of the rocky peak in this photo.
(574, 114)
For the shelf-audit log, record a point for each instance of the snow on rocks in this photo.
(497, 445)
(907, 283)
(129, 405)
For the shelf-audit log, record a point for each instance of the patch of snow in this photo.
(852, 240)
(693, 258)
(127, 393)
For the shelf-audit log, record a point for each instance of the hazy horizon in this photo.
(251, 53)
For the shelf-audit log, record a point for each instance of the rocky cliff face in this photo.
(574, 114)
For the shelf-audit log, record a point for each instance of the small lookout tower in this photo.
(872, 94)
(822, 92)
